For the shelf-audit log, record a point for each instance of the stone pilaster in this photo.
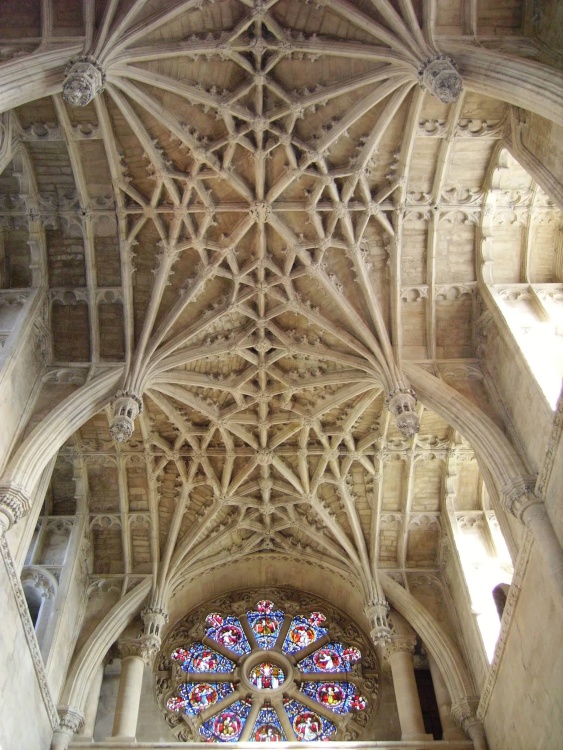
(399, 654)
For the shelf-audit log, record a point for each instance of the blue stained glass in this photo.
(268, 727)
(197, 696)
(334, 657)
(265, 623)
(227, 725)
(340, 697)
(228, 632)
(200, 658)
(303, 631)
(308, 725)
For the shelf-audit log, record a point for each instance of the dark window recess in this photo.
(428, 704)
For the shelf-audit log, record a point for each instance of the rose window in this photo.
(265, 677)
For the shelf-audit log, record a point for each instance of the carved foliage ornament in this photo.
(84, 79)
(402, 404)
(440, 77)
(126, 407)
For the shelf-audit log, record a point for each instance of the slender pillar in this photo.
(92, 701)
(518, 498)
(464, 713)
(450, 730)
(399, 654)
(134, 656)
(70, 722)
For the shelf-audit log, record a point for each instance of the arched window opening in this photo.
(34, 603)
(523, 266)
(265, 675)
(500, 595)
(483, 555)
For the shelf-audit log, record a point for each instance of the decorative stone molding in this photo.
(398, 644)
(464, 713)
(14, 505)
(154, 618)
(402, 404)
(440, 77)
(146, 648)
(377, 611)
(126, 407)
(71, 719)
(29, 631)
(84, 79)
(519, 495)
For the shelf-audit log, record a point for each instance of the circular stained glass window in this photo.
(267, 676)
(241, 660)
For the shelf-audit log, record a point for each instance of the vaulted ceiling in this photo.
(262, 216)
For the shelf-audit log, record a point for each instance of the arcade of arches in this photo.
(281, 348)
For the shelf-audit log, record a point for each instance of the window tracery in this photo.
(265, 675)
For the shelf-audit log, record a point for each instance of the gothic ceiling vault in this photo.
(266, 212)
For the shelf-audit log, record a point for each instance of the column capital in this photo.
(14, 505)
(518, 494)
(464, 712)
(145, 648)
(399, 644)
(71, 720)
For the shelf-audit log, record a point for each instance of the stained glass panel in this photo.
(200, 658)
(268, 727)
(228, 632)
(308, 725)
(303, 631)
(195, 697)
(266, 676)
(340, 697)
(334, 657)
(227, 725)
(265, 623)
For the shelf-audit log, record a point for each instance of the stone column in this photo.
(92, 700)
(70, 722)
(399, 653)
(464, 714)
(519, 499)
(450, 730)
(134, 656)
